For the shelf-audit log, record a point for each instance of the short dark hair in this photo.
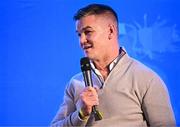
(95, 9)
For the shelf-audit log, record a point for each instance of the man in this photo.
(127, 93)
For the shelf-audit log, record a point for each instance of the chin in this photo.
(89, 56)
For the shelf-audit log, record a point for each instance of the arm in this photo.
(156, 105)
(68, 115)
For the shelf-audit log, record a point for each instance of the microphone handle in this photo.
(88, 82)
(97, 113)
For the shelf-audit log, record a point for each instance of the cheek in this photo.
(100, 37)
(102, 40)
(99, 40)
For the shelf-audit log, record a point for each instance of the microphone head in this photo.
(85, 64)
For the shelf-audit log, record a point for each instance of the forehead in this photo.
(90, 21)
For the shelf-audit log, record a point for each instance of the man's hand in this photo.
(89, 98)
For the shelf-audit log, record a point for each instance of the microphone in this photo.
(86, 70)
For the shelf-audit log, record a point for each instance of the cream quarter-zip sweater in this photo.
(132, 96)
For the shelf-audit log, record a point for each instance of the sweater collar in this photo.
(122, 52)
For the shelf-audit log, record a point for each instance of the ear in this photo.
(111, 31)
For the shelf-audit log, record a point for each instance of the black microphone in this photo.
(86, 70)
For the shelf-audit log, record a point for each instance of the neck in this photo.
(103, 63)
(103, 67)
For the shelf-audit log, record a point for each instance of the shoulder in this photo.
(76, 81)
(75, 86)
(145, 76)
(77, 78)
(140, 69)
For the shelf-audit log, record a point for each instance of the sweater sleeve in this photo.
(156, 105)
(68, 115)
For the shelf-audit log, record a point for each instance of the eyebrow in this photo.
(87, 27)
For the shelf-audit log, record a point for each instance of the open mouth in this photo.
(85, 47)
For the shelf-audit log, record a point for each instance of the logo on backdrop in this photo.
(149, 40)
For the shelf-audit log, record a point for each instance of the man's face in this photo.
(93, 36)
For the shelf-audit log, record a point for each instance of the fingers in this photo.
(89, 97)
(96, 88)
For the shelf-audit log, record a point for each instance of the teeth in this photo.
(86, 47)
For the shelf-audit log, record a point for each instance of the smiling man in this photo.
(127, 93)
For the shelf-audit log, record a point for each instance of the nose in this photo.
(82, 39)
